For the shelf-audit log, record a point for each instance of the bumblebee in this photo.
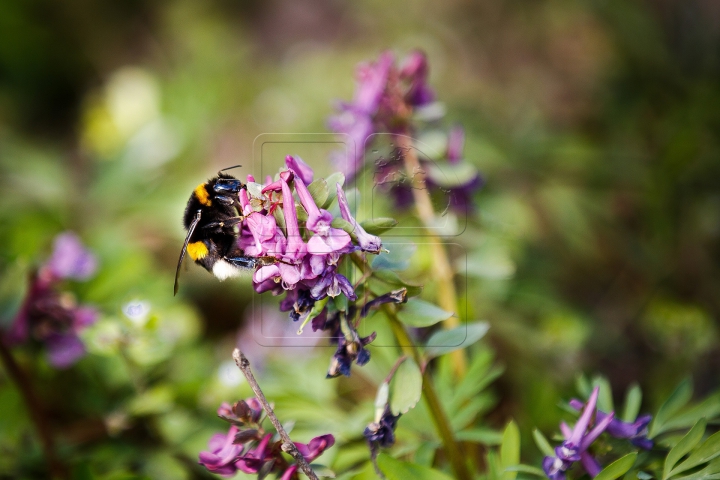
(212, 219)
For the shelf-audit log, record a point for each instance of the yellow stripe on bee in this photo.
(197, 250)
(202, 194)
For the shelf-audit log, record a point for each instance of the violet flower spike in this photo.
(368, 243)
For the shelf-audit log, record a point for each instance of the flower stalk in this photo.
(440, 419)
(37, 414)
(442, 269)
(288, 446)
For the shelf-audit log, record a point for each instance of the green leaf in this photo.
(467, 413)
(510, 450)
(471, 386)
(675, 402)
(280, 218)
(331, 182)
(341, 303)
(446, 341)
(687, 443)
(419, 313)
(711, 471)
(382, 281)
(618, 468)
(583, 386)
(542, 443)
(398, 257)
(319, 191)
(527, 469)
(383, 393)
(605, 401)
(398, 470)
(451, 175)
(302, 215)
(483, 436)
(155, 400)
(343, 224)
(633, 399)
(708, 409)
(377, 226)
(704, 453)
(405, 387)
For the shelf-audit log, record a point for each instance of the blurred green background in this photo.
(596, 125)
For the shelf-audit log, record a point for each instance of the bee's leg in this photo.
(225, 200)
(224, 226)
(242, 262)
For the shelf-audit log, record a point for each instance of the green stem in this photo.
(440, 419)
(442, 267)
(35, 410)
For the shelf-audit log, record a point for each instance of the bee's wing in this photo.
(191, 229)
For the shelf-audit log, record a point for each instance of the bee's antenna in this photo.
(229, 168)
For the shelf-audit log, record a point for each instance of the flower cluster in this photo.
(247, 447)
(578, 441)
(308, 270)
(301, 254)
(636, 431)
(50, 316)
(576, 444)
(381, 432)
(385, 100)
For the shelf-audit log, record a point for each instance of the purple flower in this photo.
(372, 79)
(349, 352)
(326, 239)
(356, 119)
(255, 458)
(70, 259)
(577, 441)
(332, 284)
(415, 72)
(222, 453)
(298, 302)
(368, 243)
(359, 127)
(247, 411)
(456, 143)
(382, 432)
(310, 452)
(295, 248)
(636, 431)
(63, 350)
(301, 169)
(46, 315)
(261, 237)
